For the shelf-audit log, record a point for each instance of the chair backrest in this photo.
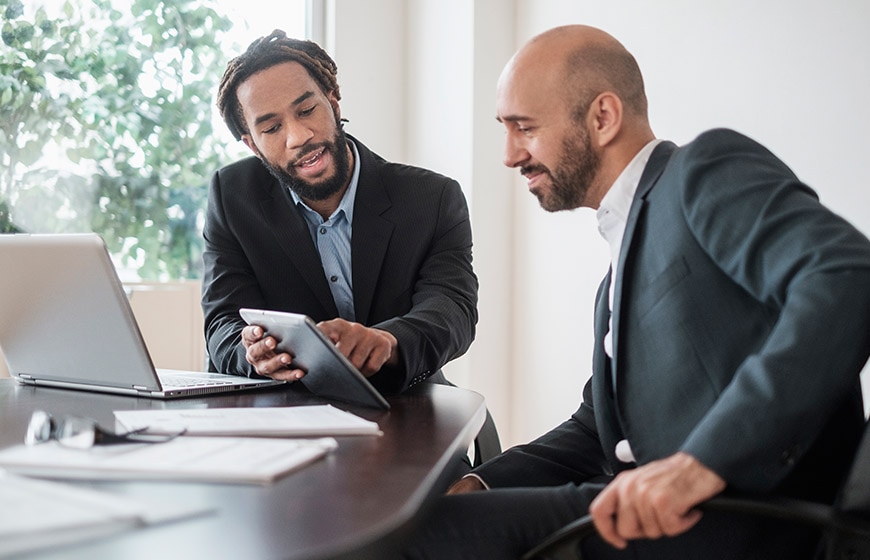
(855, 493)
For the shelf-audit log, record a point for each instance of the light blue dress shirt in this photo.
(332, 238)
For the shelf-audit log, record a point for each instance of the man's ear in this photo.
(336, 108)
(249, 142)
(605, 118)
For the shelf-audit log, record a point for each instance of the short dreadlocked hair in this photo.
(266, 52)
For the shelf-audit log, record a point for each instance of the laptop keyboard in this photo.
(181, 381)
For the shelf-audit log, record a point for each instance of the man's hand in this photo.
(368, 349)
(466, 484)
(654, 500)
(260, 353)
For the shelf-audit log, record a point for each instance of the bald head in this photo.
(573, 105)
(579, 62)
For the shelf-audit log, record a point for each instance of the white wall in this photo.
(368, 41)
(420, 78)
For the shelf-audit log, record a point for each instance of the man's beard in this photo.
(320, 190)
(571, 179)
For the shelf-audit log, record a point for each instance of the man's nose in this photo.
(297, 135)
(514, 153)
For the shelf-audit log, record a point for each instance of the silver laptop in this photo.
(65, 322)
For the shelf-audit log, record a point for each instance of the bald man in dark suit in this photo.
(730, 331)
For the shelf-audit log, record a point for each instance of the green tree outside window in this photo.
(106, 124)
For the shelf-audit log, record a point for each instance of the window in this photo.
(108, 123)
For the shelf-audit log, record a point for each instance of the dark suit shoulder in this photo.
(398, 177)
(724, 162)
(415, 181)
(243, 181)
(717, 142)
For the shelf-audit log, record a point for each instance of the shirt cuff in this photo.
(483, 482)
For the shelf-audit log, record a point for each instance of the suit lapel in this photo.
(606, 416)
(600, 359)
(651, 173)
(371, 232)
(294, 238)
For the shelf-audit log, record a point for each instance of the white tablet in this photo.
(328, 373)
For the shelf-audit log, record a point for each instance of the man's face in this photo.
(294, 129)
(552, 150)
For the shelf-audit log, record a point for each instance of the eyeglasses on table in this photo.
(83, 433)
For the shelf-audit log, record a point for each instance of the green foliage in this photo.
(106, 124)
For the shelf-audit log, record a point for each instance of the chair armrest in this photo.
(487, 444)
(563, 543)
(774, 507)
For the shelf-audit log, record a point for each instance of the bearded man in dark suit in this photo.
(379, 254)
(730, 331)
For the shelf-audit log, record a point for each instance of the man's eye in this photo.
(272, 129)
(306, 112)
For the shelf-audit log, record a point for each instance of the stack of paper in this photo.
(295, 421)
(37, 514)
(223, 456)
(206, 459)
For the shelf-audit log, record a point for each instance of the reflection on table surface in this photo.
(355, 503)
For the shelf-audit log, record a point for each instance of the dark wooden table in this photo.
(357, 503)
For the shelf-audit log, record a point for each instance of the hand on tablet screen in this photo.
(260, 353)
(368, 349)
(332, 358)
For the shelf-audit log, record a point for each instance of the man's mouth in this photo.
(532, 173)
(311, 159)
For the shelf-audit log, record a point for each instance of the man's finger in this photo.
(603, 510)
(288, 375)
(681, 524)
(251, 334)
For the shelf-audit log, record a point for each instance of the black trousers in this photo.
(506, 523)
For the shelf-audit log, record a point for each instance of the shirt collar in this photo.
(346, 204)
(617, 201)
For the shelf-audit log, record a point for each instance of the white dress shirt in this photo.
(612, 216)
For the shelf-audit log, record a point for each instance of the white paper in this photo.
(294, 421)
(37, 514)
(205, 459)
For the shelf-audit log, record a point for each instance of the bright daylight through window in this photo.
(107, 119)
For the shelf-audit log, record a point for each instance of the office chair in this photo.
(487, 444)
(845, 525)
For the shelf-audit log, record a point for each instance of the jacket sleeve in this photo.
(440, 325)
(228, 284)
(569, 453)
(768, 232)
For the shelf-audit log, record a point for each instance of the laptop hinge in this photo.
(141, 388)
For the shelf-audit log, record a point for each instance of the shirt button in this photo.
(623, 451)
(322, 230)
(333, 278)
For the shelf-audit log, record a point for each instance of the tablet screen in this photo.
(328, 373)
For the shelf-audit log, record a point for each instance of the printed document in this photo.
(294, 421)
(38, 514)
(205, 459)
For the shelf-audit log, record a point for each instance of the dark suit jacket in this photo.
(411, 263)
(741, 323)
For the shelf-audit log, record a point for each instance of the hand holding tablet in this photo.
(328, 372)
